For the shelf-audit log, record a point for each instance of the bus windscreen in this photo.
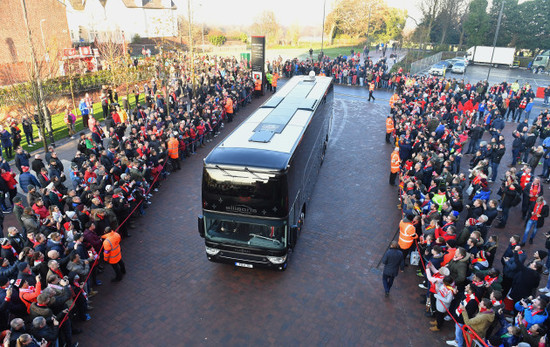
(243, 232)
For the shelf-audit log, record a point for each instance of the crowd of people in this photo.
(70, 226)
(451, 216)
(354, 70)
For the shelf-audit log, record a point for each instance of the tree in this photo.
(111, 49)
(450, 11)
(266, 24)
(365, 18)
(476, 25)
(430, 11)
(217, 40)
(394, 23)
(293, 34)
(533, 30)
(511, 21)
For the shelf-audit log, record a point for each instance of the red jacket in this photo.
(9, 177)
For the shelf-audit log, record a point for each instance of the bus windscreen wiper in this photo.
(249, 171)
(224, 171)
(265, 238)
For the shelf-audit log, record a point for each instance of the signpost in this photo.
(257, 59)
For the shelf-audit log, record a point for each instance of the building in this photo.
(91, 20)
(49, 35)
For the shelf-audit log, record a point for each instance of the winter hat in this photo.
(542, 254)
(22, 266)
(30, 187)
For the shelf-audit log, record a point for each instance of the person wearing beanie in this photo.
(540, 255)
(33, 195)
(17, 210)
(25, 273)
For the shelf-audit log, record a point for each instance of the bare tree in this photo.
(267, 24)
(430, 10)
(450, 10)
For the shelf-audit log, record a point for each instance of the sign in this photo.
(257, 57)
(85, 51)
(69, 52)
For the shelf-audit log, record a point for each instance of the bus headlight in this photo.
(212, 251)
(276, 260)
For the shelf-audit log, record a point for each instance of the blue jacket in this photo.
(5, 137)
(528, 315)
(482, 195)
(83, 108)
(27, 178)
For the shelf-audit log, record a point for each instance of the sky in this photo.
(287, 12)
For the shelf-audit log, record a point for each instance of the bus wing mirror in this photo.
(293, 235)
(200, 220)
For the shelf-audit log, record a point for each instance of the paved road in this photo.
(331, 292)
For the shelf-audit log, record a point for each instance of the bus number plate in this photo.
(243, 265)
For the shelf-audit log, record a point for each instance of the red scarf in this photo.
(534, 192)
(536, 211)
(525, 178)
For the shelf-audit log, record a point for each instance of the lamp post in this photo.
(323, 29)
(39, 97)
(495, 39)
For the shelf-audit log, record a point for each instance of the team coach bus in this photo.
(257, 182)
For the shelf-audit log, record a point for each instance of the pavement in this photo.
(331, 294)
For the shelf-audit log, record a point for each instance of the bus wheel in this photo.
(301, 220)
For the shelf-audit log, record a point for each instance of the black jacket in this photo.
(393, 260)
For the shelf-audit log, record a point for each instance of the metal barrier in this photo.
(424, 63)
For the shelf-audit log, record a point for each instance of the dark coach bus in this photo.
(256, 183)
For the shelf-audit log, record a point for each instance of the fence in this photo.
(422, 64)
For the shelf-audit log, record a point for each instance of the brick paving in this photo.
(331, 294)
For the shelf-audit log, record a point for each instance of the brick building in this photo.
(49, 32)
(91, 20)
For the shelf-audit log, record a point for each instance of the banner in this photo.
(257, 58)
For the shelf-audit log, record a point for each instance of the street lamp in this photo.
(495, 39)
(323, 29)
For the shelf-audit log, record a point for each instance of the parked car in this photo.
(439, 68)
(458, 59)
(458, 67)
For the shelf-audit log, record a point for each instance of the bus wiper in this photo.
(249, 171)
(265, 238)
(224, 171)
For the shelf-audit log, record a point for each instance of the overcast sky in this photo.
(287, 12)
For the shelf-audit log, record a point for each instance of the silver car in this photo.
(458, 67)
(438, 69)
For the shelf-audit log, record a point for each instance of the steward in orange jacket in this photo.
(173, 151)
(389, 128)
(395, 163)
(112, 253)
(229, 109)
(407, 234)
(274, 79)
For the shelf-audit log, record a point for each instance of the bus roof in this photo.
(268, 137)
